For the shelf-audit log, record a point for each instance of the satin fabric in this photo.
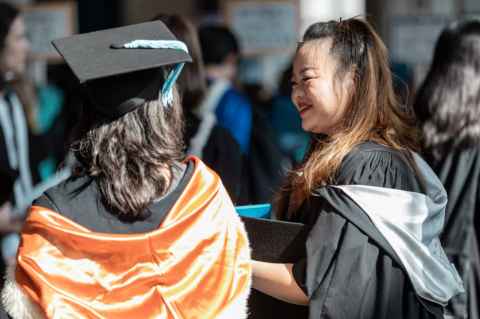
(195, 265)
(412, 226)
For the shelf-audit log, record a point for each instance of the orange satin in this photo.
(196, 265)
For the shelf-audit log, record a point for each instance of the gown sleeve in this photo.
(350, 271)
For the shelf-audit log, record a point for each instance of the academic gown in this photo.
(459, 171)
(188, 258)
(221, 153)
(34, 148)
(355, 266)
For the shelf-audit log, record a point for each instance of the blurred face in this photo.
(314, 93)
(14, 55)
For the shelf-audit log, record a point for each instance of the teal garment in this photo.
(287, 124)
(50, 101)
(47, 168)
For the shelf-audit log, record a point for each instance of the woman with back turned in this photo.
(140, 231)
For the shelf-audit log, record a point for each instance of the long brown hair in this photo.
(372, 113)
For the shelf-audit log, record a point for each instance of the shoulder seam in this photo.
(50, 200)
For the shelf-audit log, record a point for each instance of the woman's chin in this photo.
(310, 128)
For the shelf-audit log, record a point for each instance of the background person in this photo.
(204, 137)
(448, 108)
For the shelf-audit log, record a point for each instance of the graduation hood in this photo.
(195, 265)
(411, 223)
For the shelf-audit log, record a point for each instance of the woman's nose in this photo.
(297, 94)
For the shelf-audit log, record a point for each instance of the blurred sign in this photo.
(46, 22)
(264, 26)
(413, 38)
(471, 6)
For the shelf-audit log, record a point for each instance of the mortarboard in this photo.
(278, 242)
(120, 68)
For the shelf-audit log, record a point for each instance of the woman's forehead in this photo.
(313, 54)
(16, 28)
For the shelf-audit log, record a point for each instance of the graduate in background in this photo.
(221, 52)
(448, 108)
(139, 231)
(26, 167)
(14, 155)
(204, 137)
(375, 208)
(264, 164)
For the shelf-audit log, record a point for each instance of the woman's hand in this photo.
(277, 281)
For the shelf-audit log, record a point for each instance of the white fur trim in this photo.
(17, 304)
(239, 308)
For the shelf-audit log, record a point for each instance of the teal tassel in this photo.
(167, 89)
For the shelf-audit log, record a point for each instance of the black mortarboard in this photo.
(279, 242)
(120, 67)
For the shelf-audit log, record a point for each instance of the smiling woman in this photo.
(316, 92)
(362, 189)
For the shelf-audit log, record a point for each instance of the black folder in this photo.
(279, 242)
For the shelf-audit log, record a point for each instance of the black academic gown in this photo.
(350, 270)
(265, 165)
(79, 199)
(221, 153)
(459, 171)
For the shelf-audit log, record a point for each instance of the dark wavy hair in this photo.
(131, 158)
(373, 111)
(448, 102)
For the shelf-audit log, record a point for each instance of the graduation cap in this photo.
(121, 68)
(279, 242)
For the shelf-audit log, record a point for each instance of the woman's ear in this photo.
(349, 81)
(344, 88)
(348, 86)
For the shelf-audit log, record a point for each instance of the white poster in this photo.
(413, 38)
(46, 22)
(471, 6)
(263, 27)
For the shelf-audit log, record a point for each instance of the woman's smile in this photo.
(303, 109)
